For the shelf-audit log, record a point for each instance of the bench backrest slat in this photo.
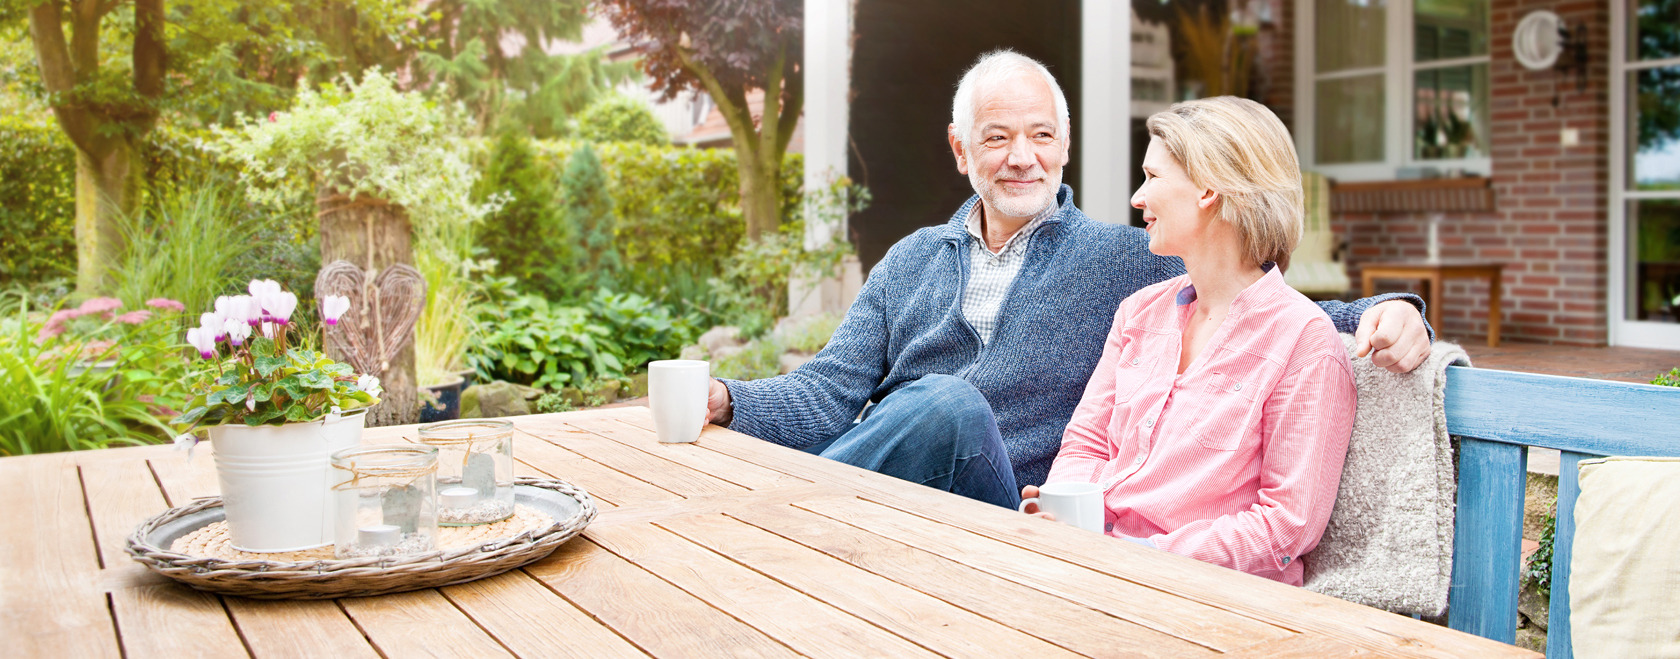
(1496, 414)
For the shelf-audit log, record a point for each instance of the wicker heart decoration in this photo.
(382, 316)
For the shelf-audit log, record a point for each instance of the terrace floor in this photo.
(1621, 364)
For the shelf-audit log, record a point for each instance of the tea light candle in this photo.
(458, 497)
(378, 535)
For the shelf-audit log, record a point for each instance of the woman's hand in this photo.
(1031, 492)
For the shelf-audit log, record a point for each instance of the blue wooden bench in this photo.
(1497, 414)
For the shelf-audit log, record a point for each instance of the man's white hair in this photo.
(993, 68)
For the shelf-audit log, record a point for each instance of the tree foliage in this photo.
(492, 56)
(728, 48)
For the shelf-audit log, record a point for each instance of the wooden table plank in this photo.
(612, 486)
(532, 621)
(734, 470)
(666, 474)
(810, 627)
(297, 628)
(49, 602)
(659, 618)
(197, 624)
(186, 479)
(420, 623)
(1056, 620)
(1259, 599)
(1301, 646)
(1161, 611)
(120, 496)
(933, 623)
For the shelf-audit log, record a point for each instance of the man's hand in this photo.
(1392, 333)
(719, 410)
(1029, 492)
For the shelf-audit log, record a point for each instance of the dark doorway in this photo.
(906, 61)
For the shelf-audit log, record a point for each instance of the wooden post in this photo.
(374, 235)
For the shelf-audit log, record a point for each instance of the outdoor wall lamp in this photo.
(1542, 41)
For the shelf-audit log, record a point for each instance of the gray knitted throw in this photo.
(1390, 539)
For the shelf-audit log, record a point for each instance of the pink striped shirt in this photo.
(1234, 462)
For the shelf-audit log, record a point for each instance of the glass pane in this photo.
(1655, 110)
(1655, 30)
(1450, 116)
(1349, 34)
(1654, 245)
(1445, 29)
(1350, 120)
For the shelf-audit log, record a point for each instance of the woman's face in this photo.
(1176, 212)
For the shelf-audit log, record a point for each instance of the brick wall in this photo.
(1550, 225)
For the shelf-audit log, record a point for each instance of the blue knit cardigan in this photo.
(907, 322)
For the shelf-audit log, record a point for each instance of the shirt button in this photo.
(1149, 423)
(1237, 387)
(1137, 461)
(1136, 361)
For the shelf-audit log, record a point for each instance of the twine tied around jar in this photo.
(396, 472)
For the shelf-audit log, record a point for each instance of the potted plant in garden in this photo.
(275, 412)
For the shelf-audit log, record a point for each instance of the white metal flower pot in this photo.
(275, 480)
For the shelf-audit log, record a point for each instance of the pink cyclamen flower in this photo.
(273, 117)
(100, 305)
(204, 340)
(279, 306)
(135, 317)
(166, 304)
(333, 308)
(237, 331)
(211, 325)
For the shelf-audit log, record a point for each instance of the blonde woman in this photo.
(1218, 417)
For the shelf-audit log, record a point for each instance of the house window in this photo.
(1399, 88)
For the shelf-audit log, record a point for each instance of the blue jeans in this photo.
(937, 431)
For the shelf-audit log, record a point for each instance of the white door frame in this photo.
(1103, 125)
(1624, 332)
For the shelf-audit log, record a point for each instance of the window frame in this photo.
(1399, 107)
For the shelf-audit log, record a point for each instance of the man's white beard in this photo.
(1026, 205)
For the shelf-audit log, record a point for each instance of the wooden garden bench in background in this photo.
(1497, 415)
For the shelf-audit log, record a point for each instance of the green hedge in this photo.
(677, 210)
(37, 200)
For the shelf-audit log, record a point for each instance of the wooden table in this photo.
(1434, 275)
(730, 546)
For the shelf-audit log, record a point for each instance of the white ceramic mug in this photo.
(1074, 504)
(677, 391)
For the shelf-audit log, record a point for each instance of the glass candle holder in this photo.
(385, 501)
(475, 470)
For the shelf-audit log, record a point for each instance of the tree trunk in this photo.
(374, 235)
(761, 193)
(107, 188)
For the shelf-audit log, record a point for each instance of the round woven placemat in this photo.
(464, 554)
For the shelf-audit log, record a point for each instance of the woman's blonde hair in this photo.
(1242, 151)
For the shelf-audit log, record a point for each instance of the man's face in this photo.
(1013, 157)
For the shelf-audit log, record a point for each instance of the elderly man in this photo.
(974, 339)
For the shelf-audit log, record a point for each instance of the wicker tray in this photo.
(570, 506)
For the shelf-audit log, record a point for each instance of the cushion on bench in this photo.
(1624, 584)
(1390, 539)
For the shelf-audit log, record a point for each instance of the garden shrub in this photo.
(37, 200)
(587, 207)
(619, 118)
(530, 340)
(90, 377)
(527, 237)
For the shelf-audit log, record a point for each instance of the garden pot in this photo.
(448, 397)
(275, 480)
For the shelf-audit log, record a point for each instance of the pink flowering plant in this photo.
(259, 376)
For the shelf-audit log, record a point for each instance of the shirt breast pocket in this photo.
(1227, 413)
(1131, 371)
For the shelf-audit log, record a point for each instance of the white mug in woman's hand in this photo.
(1074, 504)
